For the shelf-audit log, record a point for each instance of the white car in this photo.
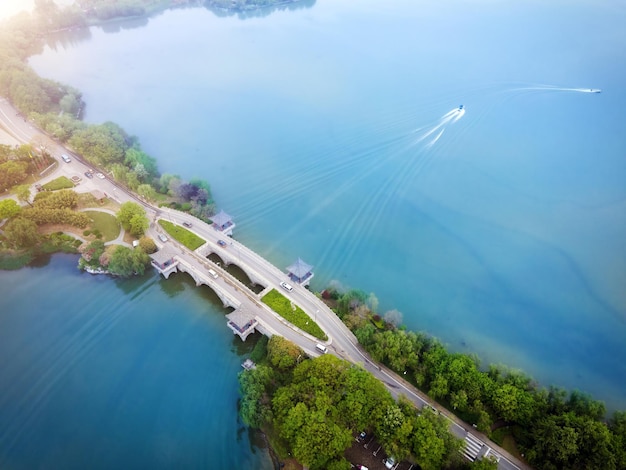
(100, 175)
(65, 158)
(389, 462)
(286, 286)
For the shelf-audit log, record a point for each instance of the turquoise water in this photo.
(102, 373)
(330, 133)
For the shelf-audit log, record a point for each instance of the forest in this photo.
(549, 427)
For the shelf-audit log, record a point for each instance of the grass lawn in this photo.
(504, 438)
(293, 314)
(106, 224)
(62, 182)
(182, 235)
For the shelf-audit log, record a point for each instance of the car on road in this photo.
(221, 243)
(65, 158)
(89, 174)
(100, 175)
(212, 273)
(287, 287)
(187, 224)
(162, 237)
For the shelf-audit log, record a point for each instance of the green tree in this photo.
(147, 192)
(147, 245)
(103, 144)
(143, 164)
(282, 353)
(486, 463)
(9, 208)
(133, 218)
(21, 233)
(254, 407)
(138, 225)
(126, 262)
(12, 173)
(617, 426)
(23, 193)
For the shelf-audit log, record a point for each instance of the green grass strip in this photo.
(62, 182)
(106, 223)
(293, 314)
(182, 235)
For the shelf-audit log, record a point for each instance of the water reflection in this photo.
(257, 12)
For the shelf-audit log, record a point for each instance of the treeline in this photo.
(21, 229)
(17, 163)
(552, 429)
(55, 108)
(313, 408)
(246, 4)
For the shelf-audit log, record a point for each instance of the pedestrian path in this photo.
(472, 447)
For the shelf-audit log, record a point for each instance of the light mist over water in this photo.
(324, 131)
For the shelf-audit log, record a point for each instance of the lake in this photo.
(102, 373)
(334, 132)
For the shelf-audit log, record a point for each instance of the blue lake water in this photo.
(101, 373)
(332, 132)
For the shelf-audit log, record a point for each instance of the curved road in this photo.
(341, 342)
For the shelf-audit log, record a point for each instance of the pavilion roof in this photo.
(300, 268)
(164, 254)
(221, 218)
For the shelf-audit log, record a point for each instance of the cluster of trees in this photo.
(316, 406)
(21, 230)
(16, 163)
(133, 218)
(118, 260)
(554, 429)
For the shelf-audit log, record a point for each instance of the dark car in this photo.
(187, 224)
(221, 243)
(89, 174)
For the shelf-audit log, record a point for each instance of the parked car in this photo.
(389, 462)
(89, 174)
(65, 158)
(100, 175)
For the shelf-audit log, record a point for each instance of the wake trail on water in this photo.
(412, 157)
(376, 208)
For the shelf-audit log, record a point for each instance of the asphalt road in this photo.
(341, 341)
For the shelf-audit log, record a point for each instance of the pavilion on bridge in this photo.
(241, 323)
(223, 222)
(300, 272)
(164, 261)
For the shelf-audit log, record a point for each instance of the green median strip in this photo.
(182, 235)
(293, 314)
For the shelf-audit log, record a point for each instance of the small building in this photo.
(99, 195)
(165, 261)
(241, 323)
(300, 272)
(223, 223)
(248, 364)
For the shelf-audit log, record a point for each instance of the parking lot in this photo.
(369, 452)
